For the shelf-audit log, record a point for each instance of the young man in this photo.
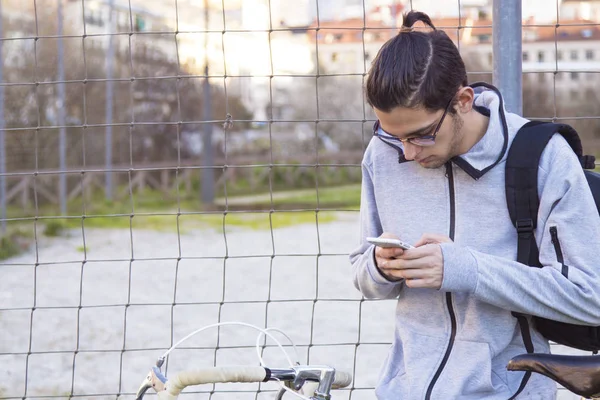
(433, 176)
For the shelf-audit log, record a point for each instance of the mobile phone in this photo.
(387, 242)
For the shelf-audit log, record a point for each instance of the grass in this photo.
(16, 239)
(54, 228)
(151, 210)
(8, 248)
(343, 197)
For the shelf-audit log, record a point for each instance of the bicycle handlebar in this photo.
(213, 375)
(342, 380)
(327, 377)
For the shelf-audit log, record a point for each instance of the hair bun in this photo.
(414, 16)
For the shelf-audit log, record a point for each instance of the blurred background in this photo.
(198, 161)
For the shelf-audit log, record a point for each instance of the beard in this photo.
(453, 147)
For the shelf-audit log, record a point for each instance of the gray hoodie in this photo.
(455, 343)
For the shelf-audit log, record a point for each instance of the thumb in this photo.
(429, 238)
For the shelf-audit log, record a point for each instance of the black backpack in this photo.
(523, 203)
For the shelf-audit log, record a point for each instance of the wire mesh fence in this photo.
(167, 165)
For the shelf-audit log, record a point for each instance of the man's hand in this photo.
(422, 267)
(385, 254)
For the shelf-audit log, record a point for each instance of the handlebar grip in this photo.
(342, 379)
(211, 375)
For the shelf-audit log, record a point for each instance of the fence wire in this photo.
(167, 165)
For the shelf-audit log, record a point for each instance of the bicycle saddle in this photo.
(579, 374)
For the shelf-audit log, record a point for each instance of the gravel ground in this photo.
(98, 326)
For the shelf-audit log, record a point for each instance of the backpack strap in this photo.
(522, 176)
(526, 335)
(521, 185)
(523, 202)
(522, 196)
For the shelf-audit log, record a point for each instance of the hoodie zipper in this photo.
(450, 176)
(558, 250)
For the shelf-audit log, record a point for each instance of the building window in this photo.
(589, 54)
(525, 56)
(367, 56)
(540, 56)
(338, 36)
(574, 76)
(559, 55)
(574, 55)
(334, 57)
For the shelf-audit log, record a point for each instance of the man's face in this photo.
(406, 123)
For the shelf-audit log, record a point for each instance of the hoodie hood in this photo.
(492, 147)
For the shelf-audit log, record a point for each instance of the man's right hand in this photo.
(383, 255)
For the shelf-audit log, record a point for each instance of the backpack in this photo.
(523, 203)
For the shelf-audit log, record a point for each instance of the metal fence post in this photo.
(3, 204)
(208, 175)
(109, 103)
(508, 68)
(62, 136)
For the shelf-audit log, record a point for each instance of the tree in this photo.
(338, 105)
(149, 87)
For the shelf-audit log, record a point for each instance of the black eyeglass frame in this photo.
(421, 141)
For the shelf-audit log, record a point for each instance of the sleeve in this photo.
(566, 288)
(367, 277)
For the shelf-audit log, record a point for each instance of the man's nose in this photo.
(411, 150)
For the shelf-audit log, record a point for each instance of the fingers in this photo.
(388, 253)
(419, 252)
(382, 254)
(422, 273)
(405, 263)
(429, 238)
(421, 267)
(406, 273)
(413, 278)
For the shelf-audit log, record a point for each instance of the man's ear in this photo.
(466, 98)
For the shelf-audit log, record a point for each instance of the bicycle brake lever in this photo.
(146, 384)
(155, 379)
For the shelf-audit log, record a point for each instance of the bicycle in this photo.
(578, 374)
(325, 377)
(318, 380)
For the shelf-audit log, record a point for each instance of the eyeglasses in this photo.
(422, 141)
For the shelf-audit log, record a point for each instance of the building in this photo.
(347, 46)
(580, 10)
(295, 13)
(563, 55)
(93, 17)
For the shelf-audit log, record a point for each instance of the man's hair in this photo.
(416, 69)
